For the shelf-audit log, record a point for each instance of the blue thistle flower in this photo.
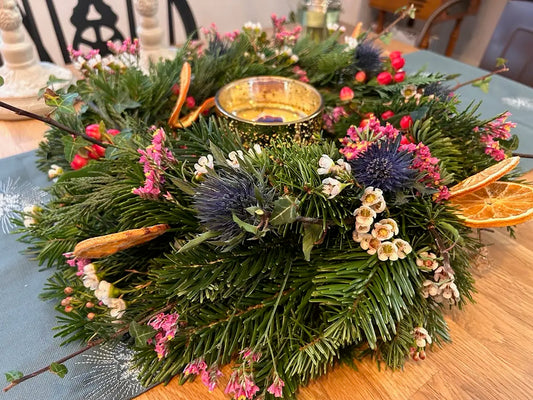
(217, 47)
(439, 90)
(230, 192)
(367, 58)
(384, 167)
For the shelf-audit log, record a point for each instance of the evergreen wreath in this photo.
(280, 260)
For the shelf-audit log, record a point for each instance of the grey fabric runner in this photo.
(26, 335)
(504, 95)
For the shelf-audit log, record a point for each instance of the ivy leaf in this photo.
(13, 375)
(312, 234)
(285, 210)
(197, 241)
(58, 369)
(71, 146)
(500, 61)
(141, 333)
(245, 225)
(386, 38)
(483, 84)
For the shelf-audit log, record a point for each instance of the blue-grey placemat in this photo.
(504, 95)
(26, 336)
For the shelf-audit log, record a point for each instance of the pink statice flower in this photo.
(300, 73)
(210, 377)
(195, 367)
(282, 36)
(249, 355)
(154, 160)
(166, 326)
(241, 386)
(277, 387)
(78, 262)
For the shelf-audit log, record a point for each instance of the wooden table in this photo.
(492, 353)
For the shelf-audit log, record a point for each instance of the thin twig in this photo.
(89, 345)
(50, 121)
(498, 71)
(523, 155)
(444, 252)
(402, 15)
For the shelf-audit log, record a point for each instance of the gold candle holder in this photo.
(263, 109)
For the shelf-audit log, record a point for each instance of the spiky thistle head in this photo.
(230, 193)
(438, 89)
(367, 58)
(383, 166)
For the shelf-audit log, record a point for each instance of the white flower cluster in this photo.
(205, 163)
(234, 157)
(54, 171)
(252, 27)
(29, 215)
(331, 187)
(201, 167)
(103, 291)
(377, 238)
(443, 287)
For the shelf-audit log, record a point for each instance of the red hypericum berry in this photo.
(68, 308)
(416, 356)
(91, 316)
(399, 76)
(113, 132)
(397, 62)
(93, 131)
(360, 76)
(406, 139)
(68, 290)
(384, 78)
(346, 94)
(422, 355)
(175, 89)
(78, 162)
(66, 301)
(387, 114)
(89, 304)
(406, 122)
(395, 54)
(99, 150)
(190, 102)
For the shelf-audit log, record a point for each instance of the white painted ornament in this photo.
(150, 34)
(23, 74)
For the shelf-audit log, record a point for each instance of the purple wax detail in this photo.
(269, 118)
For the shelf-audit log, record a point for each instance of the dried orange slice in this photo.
(103, 246)
(187, 120)
(185, 81)
(483, 178)
(495, 205)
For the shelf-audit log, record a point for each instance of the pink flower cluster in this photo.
(357, 140)
(209, 376)
(154, 159)
(128, 46)
(75, 54)
(277, 386)
(330, 119)
(494, 131)
(166, 325)
(428, 165)
(241, 385)
(282, 36)
(300, 73)
(78, 262)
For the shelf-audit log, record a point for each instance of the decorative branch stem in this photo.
(89, 345)
(498, 71)
(523, 155)
(442, 250)
(50, 121)
(402, 15)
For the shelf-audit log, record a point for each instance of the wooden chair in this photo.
(108, 20)
(513, 40)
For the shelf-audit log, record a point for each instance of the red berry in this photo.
(68, 290)
(395, 54)
(387, 114)
(346, 94)
(99, 150)
(93, 131)
(397, 63)
(113, 132)
(399, 76)
(78, 162)
(384, 78)
(91, 316)
(406, 122)
(360, 76)
(175, 89)
(68, 308)
(66, 301)
(422, 355)
(89, 304)
(190, 102)
(406, 139)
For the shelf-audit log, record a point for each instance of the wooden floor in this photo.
(491, 357)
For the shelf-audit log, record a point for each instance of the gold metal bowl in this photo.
(267, 108)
